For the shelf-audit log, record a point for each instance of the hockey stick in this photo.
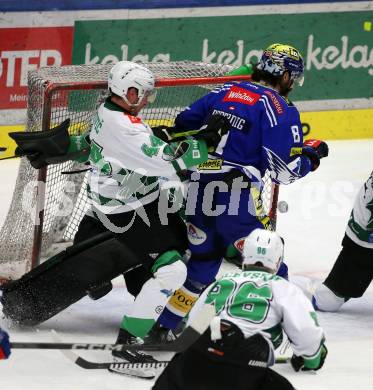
(2, 150)
(188, 337)
(136, 370)
(89, 365)
(140, 370)
(86, 364)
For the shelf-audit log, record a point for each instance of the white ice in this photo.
(313, 228)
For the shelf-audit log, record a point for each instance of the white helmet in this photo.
(126, 74)
(263, 248)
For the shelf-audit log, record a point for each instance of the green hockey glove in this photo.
(310, 363)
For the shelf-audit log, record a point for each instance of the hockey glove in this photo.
(163, 132)
(39, 146)
(308, 364)
(53, 146)
(213, 131)
(4, 345)
(315, 149)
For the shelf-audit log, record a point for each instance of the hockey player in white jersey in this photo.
(254, 307)
(127, 161)
(353, 270)
(129, 223)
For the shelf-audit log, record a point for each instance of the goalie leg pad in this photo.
(65, 278)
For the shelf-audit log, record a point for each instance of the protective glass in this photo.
(298, 78)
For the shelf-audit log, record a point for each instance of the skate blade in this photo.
(134, 373)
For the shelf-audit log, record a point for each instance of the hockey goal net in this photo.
(47, 205)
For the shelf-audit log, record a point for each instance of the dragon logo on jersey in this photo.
(195, 235)
(241, 95)
(131, 187)
(280, 171)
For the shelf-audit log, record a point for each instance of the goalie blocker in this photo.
(66, 278)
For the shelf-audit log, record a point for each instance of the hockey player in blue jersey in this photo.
(4, 345)
(223, 204)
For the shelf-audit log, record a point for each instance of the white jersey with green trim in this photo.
(126, 160)
(260, 302)
(360, 226)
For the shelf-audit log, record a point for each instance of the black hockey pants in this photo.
(229, 364)
(141, 239)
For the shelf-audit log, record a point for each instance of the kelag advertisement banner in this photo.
(23, 49)
(337, 47)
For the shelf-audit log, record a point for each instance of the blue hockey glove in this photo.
(4, 345)
(315, 149)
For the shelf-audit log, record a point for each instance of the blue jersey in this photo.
(265, 132)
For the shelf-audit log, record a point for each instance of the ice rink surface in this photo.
(313, 227)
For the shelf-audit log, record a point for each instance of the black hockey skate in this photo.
(159, 335)
(125, 337)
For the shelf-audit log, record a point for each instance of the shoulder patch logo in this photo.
(241, 95)
(195, 235)
(239, 244)
(134, 119)
(275, 101)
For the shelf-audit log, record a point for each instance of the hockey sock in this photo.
(179, 305)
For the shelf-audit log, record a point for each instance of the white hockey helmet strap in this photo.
(125, 75)
(263, 248)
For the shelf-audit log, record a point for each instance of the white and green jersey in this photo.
(360, 226)
(260, 302)
(127, 160)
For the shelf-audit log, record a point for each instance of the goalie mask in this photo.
(279, 58)
(125, 75)
(263, 248)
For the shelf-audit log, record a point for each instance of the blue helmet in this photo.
(278, 58)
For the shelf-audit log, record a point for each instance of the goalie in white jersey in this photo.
(254, 307)
(127, 162)
(130, 223)
(353, 270)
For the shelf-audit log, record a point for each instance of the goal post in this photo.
(48, 205)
